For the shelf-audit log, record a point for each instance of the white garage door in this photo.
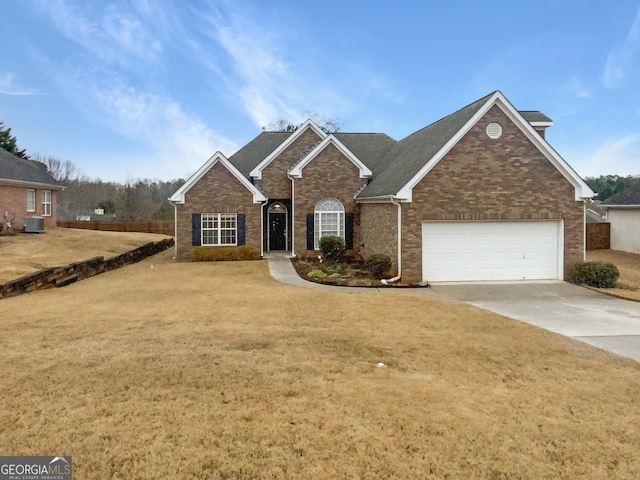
(470, 251)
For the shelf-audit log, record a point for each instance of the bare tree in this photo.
(329, 125)
(62, 170)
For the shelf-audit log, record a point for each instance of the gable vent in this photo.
(494, 130)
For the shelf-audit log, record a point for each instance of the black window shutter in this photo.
(310, 227)
(196, 238)
(240, 222)
(348, 231)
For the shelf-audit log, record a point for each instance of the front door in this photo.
(277, 231)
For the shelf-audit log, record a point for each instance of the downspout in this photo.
(386, 281)
(175, 230)
(293, 215)
(262, 228)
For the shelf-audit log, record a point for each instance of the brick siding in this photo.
(379, 222)
(13, 200)
(484, 179)
(330, 174)
(218, 191)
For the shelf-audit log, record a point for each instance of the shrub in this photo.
(378, 264)
(332, 248)
(316, 274)
(596, 274)
(222, 254)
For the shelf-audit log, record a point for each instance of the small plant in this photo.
(316, 274)
(378, 264)
(222, 254)
(596, 274)
(332, 248)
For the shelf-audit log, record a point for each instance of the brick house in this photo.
(26, 189)
(477, 195)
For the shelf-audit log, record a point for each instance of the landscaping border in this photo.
(62, 276)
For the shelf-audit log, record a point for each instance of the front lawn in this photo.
(215, 370)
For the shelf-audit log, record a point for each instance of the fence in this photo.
(598, 236)
(162, 227)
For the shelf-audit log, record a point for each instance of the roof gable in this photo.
(296, 170)
(20, 171)
(309, 124)
(218, 157)
(410, 161)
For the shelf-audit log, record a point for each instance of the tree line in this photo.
(133, 200)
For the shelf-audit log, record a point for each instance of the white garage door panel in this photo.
(468, 251)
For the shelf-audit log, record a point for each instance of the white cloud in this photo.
(260, 65)
(615, 156)
(180, 140)
(115, 35)
(9, 85)
(623, 61)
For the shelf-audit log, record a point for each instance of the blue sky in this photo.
(152, 88)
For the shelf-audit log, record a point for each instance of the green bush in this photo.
(596, 274)
(316, 274)
(224, 254)
(378, 264)
(332, 248)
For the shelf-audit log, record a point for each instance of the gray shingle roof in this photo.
(628, 196)
(370, 148)
(535, 116)
(405, 159)
(15, 169)
(249, 156)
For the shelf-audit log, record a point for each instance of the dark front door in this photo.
(277, 231)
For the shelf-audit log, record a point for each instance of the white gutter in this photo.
(386, 281)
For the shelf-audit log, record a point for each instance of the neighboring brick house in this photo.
(623, 214)
(26, 189)
(477, 195)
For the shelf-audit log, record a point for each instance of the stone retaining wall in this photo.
(61, 276)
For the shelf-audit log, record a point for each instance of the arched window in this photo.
(329, 220)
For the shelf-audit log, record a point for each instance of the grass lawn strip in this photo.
(629, 266)
(218, 371)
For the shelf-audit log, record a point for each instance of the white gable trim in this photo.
(218, 157)
(296, 170)
(582, 190)
(257, 171)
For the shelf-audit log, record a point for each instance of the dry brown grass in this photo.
(629, 266)
(217, 371)
(26, 253)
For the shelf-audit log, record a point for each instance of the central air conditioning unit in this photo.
(33, 224)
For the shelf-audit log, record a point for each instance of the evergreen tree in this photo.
(9, 143)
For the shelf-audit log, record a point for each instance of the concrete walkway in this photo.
(281, 269)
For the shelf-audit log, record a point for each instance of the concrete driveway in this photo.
(605, 322)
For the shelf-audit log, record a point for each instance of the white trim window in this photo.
(31, 200)
(219, 229)
(329, 220)
(46, 203)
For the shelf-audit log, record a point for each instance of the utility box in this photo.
(33, 224)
